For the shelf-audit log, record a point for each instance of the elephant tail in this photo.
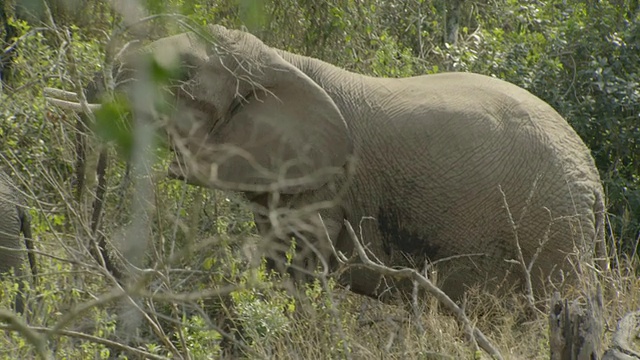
(25, 227)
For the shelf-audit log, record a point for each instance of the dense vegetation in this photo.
(582, 57)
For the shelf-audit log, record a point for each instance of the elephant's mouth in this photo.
(178, 170)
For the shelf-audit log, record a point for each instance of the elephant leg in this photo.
(19, 303)
(13, 260)
(25, 227)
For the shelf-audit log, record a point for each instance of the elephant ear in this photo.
(262, 124)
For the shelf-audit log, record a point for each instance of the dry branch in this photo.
(69, 105)
(474, 335)
(626, 341)
(61, 94)
(94, 339)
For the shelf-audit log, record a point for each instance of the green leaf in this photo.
(113, 124)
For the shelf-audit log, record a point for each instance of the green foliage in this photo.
(253, 14)
(262, 317)
(49, 302)
(605, 106)
(390, 60)
(201, 342)
(32, 133)
(581, 57)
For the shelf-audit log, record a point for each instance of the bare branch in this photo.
(60, 94)
(521, 261)
(69, 105)
(95, 339)
(38, 341)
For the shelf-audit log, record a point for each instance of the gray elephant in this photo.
(463, 169)
(15, 220)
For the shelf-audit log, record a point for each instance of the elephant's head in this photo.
(243, 118)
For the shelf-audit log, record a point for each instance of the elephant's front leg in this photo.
(312, 225)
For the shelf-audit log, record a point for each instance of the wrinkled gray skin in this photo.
(15, 220)
(417, 165)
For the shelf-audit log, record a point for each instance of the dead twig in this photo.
(526, 267)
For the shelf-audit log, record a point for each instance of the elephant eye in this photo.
(235, 106)
(238, 102)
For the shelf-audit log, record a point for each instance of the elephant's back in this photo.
(469, 133)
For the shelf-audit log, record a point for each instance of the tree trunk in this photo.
(9, 33)
(575, 329)
(452, 21)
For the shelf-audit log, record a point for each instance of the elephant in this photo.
(460, 169)
(16, 220)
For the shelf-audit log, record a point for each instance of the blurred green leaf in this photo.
(113, 124)
(253, 14)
